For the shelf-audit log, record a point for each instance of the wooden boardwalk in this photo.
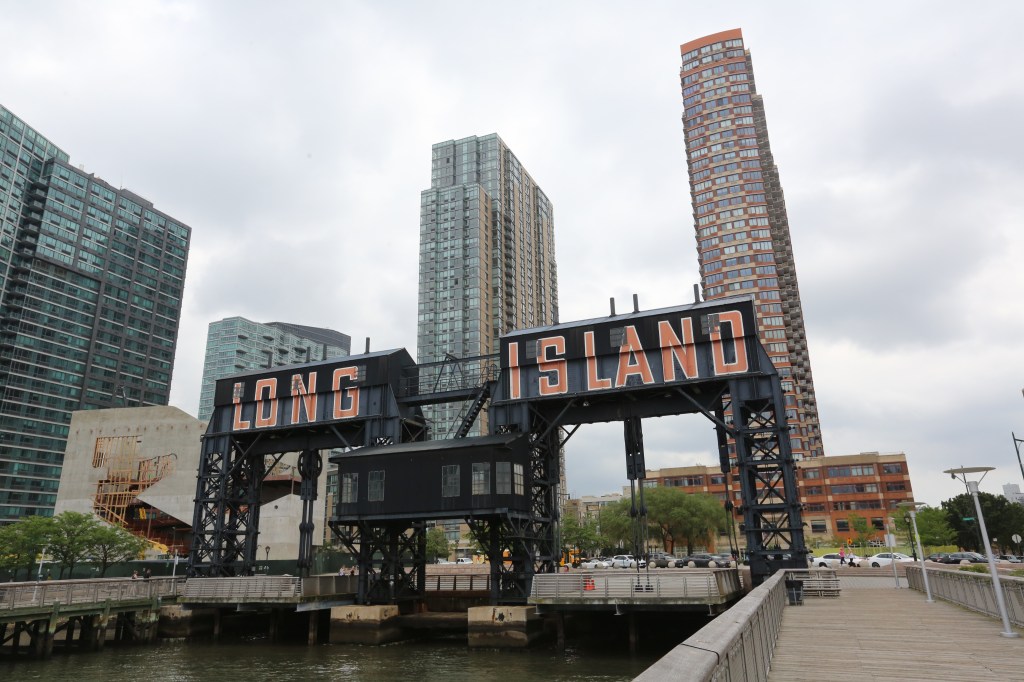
(874, 631)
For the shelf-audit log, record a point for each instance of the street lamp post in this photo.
(911, 508)
(972, 487)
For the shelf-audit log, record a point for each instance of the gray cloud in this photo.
(295, 144)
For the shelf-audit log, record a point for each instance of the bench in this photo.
(821, 582)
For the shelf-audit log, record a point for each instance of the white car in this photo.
(623, 561)
(833, 561)
(599, 562)
(886, 558)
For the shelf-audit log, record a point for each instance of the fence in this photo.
(49, 592)
(737, 645)
(691, 584)
(974, 591)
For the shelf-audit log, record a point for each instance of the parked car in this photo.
(886, 558)
(724, 559)
(700, 560)
(464, 560)
(661, 560)
(1010, 557)
(938, 557)
(876, 543)
(596, 562)
(623, 561)
(960, 557)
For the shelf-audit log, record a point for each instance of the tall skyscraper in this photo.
(487, 257)
(743, 239)
(91, 280)
(236, 344)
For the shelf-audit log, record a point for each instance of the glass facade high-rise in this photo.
(91, 281)
(236, 344)
(487, 258)
(743, 238)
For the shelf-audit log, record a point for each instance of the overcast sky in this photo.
(294, 139)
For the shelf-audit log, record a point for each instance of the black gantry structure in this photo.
(395, 482)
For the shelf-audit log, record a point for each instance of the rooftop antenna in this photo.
(696, 293)
(611, 304)
(636, 303)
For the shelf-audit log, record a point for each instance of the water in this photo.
(254, 659)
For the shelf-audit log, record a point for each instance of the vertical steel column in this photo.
(311, 465)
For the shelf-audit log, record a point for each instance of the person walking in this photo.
(842, 557)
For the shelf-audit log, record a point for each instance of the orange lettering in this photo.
(739, 363)
(594, 382)
(340, 411)
(239, 424)
(514, 378)
(632, 359)
(673, 350)
(271, 387)
(303, 398)
(545, 364)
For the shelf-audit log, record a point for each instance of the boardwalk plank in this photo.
(884, 633)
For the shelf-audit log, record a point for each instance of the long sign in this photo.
(666, 346)
(328, 391)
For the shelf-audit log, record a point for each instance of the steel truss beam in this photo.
(755, 413)
(384, 553)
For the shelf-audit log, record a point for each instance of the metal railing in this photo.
(95, 591)
(974, 591)
(464, 582)
(692, 584)
(242, 589)
(738, 645)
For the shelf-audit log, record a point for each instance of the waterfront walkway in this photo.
(874, 631)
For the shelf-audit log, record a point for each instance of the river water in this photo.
(253, 659)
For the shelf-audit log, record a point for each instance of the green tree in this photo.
(933, 526)
(71, 541)
(438, 546)
(112, 544)
(580, 535)
(862, 530)
(22, 543)
(673, 517)
(692, 519)
(1002, 518)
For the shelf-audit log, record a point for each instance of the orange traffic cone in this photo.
(588, 584)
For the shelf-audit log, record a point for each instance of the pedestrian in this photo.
(147, 574)
(842, 557)
(135, 575)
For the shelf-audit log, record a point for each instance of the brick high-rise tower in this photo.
(743, 240)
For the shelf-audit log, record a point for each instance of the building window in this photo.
(517, 472)
(896, 468)
(375, 486)
(814, 490)
(895, 487)
(842, 525)
(814, 507)
(718, 479)
(349, 488)
(481, 478)
(812, 473)
(818, 527)
(450, 480)
(692, 480)
(860, 470)
(878, 523)
(503, 478)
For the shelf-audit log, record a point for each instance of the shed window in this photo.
(503, 478)
(349, 488)
(481, 478)
(517, 476)
(450, 480)
(375, 486)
